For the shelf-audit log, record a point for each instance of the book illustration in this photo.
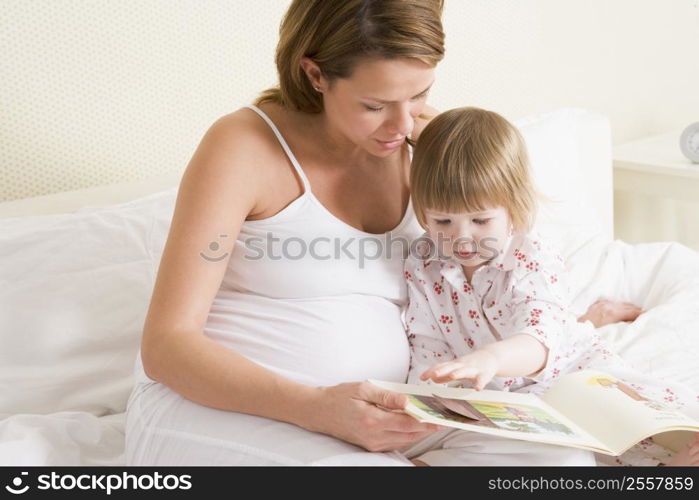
(455, 410)
(524, 418)
(508, 416)
(609, 382)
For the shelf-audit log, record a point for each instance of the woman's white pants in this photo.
(164, 428)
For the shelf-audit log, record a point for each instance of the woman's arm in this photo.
(220, 188)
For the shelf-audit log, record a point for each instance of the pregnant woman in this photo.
(280, 286)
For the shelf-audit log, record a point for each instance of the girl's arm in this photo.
(517, 356)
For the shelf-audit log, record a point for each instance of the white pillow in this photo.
(74, 291)
(570, 152)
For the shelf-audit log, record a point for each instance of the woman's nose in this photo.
(402, 122)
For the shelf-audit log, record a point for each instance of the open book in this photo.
(585, 409)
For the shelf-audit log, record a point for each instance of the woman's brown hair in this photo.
(336, 34)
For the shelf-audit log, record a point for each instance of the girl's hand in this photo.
(366, 415)
(479, 366)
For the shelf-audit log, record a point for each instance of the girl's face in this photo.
(375, 109)
(471, 239)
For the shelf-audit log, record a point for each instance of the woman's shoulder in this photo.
(248, 142)
(244, 128)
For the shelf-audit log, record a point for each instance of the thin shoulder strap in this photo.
(285, 146)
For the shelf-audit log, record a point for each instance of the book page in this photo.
(612, 411)
(505, 414)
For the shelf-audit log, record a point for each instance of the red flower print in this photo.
(408, 276)
(447, 320)
(426, 264)
(508, 382)
(467, 288)
(520, 256)
(533, 266)
(470, 342)
(669, 396)
(473, 314)
(553, 279)
(455, 298)
(438, 288)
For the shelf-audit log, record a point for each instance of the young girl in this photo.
(488, 298)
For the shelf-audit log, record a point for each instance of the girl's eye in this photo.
(481, 222)
(371, 108)
(443, 222)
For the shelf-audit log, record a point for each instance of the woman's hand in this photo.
(479, 366)
(605, 311)
(366, 415)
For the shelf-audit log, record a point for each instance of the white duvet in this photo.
(662, 278)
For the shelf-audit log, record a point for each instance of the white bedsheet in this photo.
(663, 278)
(62, 439)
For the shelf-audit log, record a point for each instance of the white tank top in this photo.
(312, 298)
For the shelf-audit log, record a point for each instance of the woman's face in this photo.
(376, 107)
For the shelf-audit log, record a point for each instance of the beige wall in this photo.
(103, 91)
(636, 61)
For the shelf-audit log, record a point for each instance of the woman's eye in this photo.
(371, 108)
(421, 96)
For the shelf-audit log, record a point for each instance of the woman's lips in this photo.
(391, 144)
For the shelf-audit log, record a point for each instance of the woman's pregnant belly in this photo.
(314, 341)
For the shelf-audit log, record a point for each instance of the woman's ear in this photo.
(314, 74)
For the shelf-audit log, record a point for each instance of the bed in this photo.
(77, 269)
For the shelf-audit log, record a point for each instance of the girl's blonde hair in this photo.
(470, 160)
(337, 34)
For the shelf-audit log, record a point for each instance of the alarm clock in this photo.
(689, 142)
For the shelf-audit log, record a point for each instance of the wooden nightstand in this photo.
(656, 192)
